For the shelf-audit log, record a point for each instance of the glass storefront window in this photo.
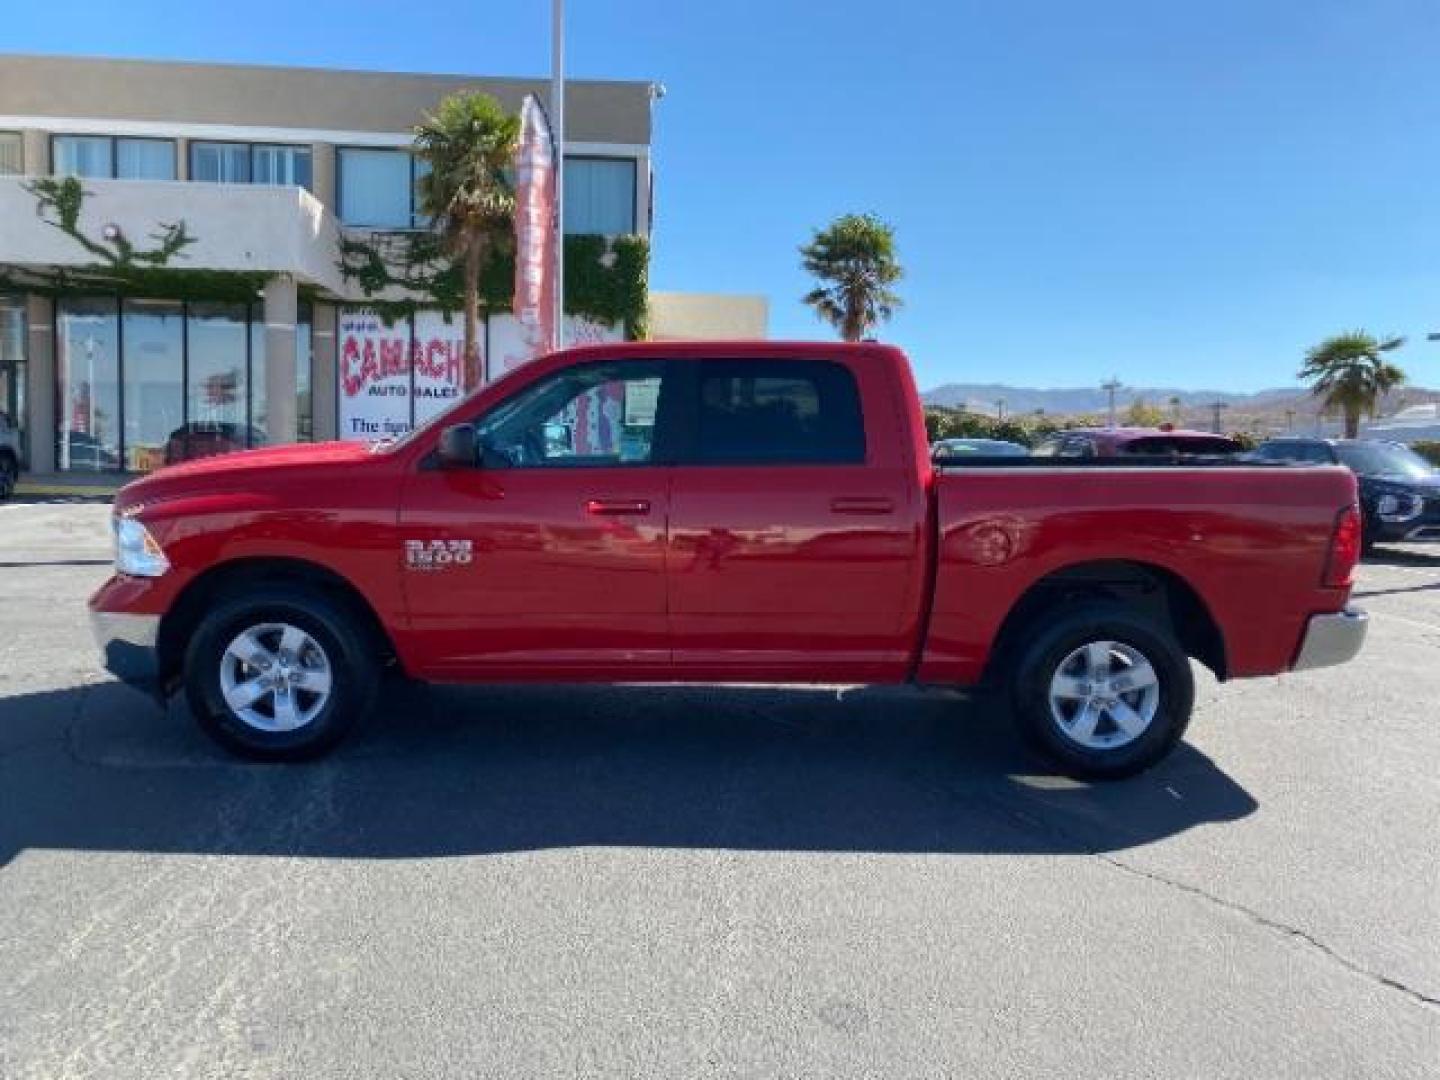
(88, 373)
(218, 393)
(12, 367)
(154, 378)
(304, 364)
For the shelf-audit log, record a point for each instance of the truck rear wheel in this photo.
(279, 674)
(1103, 691)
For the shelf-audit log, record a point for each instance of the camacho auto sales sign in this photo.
(393, 377)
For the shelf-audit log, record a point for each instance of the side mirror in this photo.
(458, 447)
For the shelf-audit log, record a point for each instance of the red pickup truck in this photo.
(741, 512)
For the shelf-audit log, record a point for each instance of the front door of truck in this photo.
(548, 557)
(796, 527)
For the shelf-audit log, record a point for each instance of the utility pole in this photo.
(557, 120)
(1000, 409)
(1289, 419)
(1217, 406)
(1110, 388)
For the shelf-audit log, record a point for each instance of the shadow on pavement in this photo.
(1406, 556)
(449, 771)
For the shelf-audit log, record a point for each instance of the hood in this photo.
(1428, 484)
(229, 471)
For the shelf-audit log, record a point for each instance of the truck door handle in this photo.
(617, 507)
(857, 505)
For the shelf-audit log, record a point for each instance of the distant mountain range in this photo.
(1262, 409)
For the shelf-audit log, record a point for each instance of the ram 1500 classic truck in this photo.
(720, 512)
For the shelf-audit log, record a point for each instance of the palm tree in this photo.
(1349, 372)
(469, 143)
(854, 261)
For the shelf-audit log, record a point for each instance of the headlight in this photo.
(1398, 506)
(136, 551)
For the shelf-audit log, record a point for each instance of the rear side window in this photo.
(784, 412)
(1189, 445)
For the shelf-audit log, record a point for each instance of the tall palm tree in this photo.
(1349, 372)
(469, 144)
(854, 261)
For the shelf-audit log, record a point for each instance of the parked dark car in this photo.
(1164, 441)
(957, 449)
(206, 438)
(1399, 490)
(83, 452)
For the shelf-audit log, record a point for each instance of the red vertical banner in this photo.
(534, 233)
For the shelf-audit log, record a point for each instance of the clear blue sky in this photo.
(1177, 193)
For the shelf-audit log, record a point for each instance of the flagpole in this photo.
(557, 119)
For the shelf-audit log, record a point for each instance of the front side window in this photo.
(1383, 459)
(592, 415)
(778, 413)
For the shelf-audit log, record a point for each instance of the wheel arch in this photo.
(224, 578)
(1147, 587)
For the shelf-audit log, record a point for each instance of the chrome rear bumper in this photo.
(1332, 639)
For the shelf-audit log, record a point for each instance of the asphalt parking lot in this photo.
(524, 882)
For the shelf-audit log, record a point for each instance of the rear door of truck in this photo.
(797, 523)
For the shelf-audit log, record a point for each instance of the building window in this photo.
(246, 163)
(220, 163)
(283, 165)
(107, 157)
(600, 195)
(84, 155)
(144, 159)
(12, 153)
(377, 188)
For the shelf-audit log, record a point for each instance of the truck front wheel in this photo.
(1103, 691)
(279, 673)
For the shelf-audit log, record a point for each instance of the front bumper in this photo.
(128, 645)
(1332, 639)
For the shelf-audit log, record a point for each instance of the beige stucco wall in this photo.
(314, 98)
(676, 316)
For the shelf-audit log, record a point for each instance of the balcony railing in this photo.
(248, 227)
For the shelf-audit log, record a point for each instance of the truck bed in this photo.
(1248, 542)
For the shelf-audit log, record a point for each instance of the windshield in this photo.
(1383, 459)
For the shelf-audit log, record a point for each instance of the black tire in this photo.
(354, 664)
(1052, 641)
(9, 474)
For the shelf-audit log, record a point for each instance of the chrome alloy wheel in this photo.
(275, 677)
(1104, 695)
